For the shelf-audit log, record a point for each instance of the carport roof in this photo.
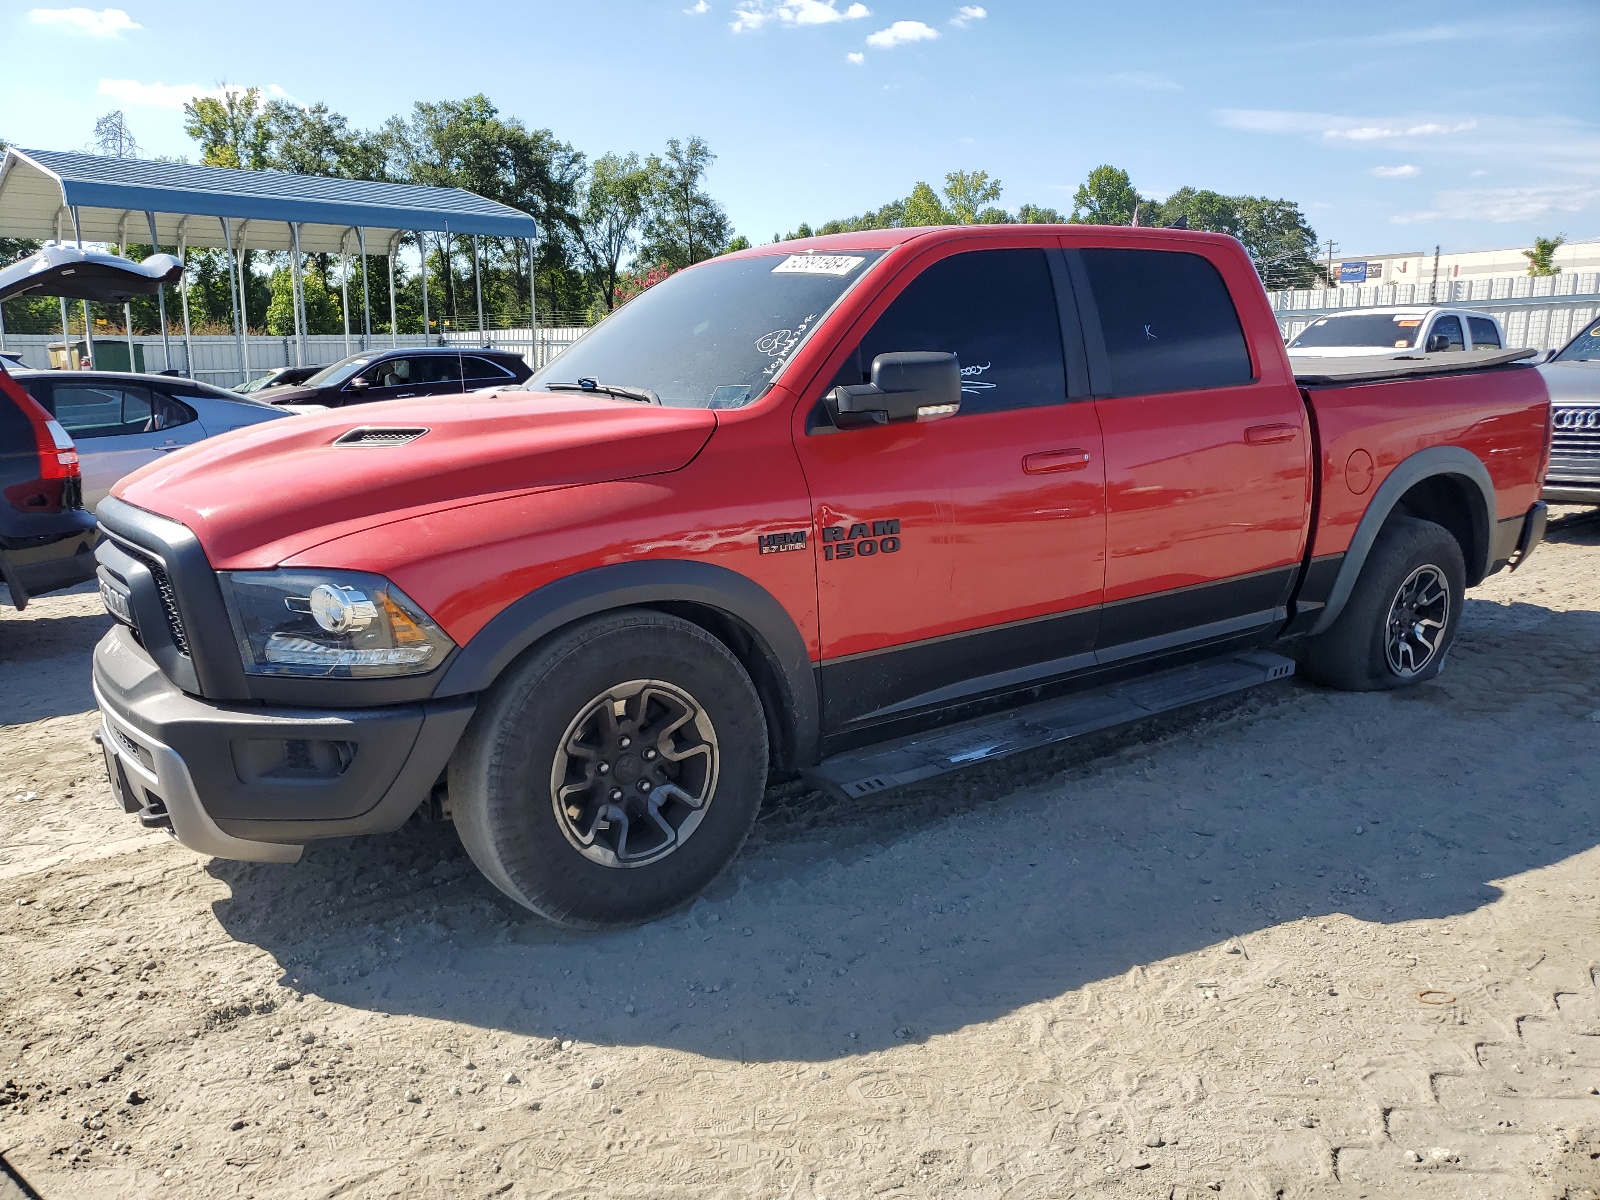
(39, 188)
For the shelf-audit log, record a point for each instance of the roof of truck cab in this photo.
(888, 239)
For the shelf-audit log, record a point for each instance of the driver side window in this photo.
(1447, 328)
(996, 310)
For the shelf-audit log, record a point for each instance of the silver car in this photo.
(122, 421)
(1573, 377)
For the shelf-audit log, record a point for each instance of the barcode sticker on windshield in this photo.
(818, 264)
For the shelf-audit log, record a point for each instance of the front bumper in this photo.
(257, 783)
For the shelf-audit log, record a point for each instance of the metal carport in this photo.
(51, 194)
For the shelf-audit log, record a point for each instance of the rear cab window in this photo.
(1484, 333)
(1167, 320)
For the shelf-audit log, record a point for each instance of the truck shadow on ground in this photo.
(852, 927)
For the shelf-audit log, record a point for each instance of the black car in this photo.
(46, 535)
(395, 374)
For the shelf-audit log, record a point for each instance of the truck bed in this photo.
(1374, 368)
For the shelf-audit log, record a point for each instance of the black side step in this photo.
(924, 755)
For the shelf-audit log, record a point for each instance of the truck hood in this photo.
(1576, 382)
(260, 495)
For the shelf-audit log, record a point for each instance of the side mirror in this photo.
(1438, 343)
(358, 384)
(912, 386)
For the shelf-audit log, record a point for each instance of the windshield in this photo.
(1397, 332)
(340, 371)
(1582, 348)
(715, 336)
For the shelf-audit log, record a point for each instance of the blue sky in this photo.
(1395, 126)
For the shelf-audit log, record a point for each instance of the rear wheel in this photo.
(1401, 619)
(613, 772)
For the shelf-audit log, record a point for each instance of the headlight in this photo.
(337, 624)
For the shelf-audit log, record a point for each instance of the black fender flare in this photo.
(1424, 464)
(654, 583)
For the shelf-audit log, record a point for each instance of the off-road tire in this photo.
(1355, 654)
(502, 787)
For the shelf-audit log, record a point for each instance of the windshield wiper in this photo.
(639, 395)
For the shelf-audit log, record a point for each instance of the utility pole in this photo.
(1433, 288)
(1331, 246)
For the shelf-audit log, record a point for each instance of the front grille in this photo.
(1575, 430)
(169, 598)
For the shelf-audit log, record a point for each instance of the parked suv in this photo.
(402, 374)
(46, 535)
(121, 421)
(1369, 331)
(1573, 377)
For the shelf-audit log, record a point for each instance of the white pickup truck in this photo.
(1372, 331)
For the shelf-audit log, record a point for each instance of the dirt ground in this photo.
(1300, 944)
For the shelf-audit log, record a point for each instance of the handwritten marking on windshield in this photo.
(969, 382)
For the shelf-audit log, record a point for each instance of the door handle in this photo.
(1046, 461)
(1266, 435)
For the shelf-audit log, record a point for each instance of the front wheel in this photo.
(1402, 615)
(613, 772)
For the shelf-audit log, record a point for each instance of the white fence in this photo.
(216, 357)
(1541, 312)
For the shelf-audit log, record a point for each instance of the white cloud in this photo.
(753, 14)
(130, 93)
(967, 13)
(1146, 80)
(901, 33)
(1337, 128)
(1404, 171)
(1507, 204)
(855, 57)
(106, 23)
(700, 8)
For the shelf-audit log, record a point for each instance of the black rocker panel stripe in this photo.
(1145, 617)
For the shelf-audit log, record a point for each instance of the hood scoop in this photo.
(379, 435)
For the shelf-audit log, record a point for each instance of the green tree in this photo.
(1107, 197)
(611, 208)
(1211, 212)
(231, 129)
(684, 225)
(1541, 259)
(1280, 241)
(1033, 214)
(968, 194)
(322, 306)
(924, 207)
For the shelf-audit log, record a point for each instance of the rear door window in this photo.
(1484, 332)
(996, 311)
(484, 371)
(1446, 334)
(1168, 322)
(95, 410)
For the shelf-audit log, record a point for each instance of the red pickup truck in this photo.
(869, 507)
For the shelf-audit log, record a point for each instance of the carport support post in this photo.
(422, 251)
(299, 296)
(66, 336)
(161, 298)
(477, 282)
(366, 291)
(88, 325)
(533, 307)
(394, 332)
(183, 297)
(233, 289)
(244, 307)
(344, 289)
(127, 317)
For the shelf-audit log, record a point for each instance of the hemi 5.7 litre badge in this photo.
(780, 543)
